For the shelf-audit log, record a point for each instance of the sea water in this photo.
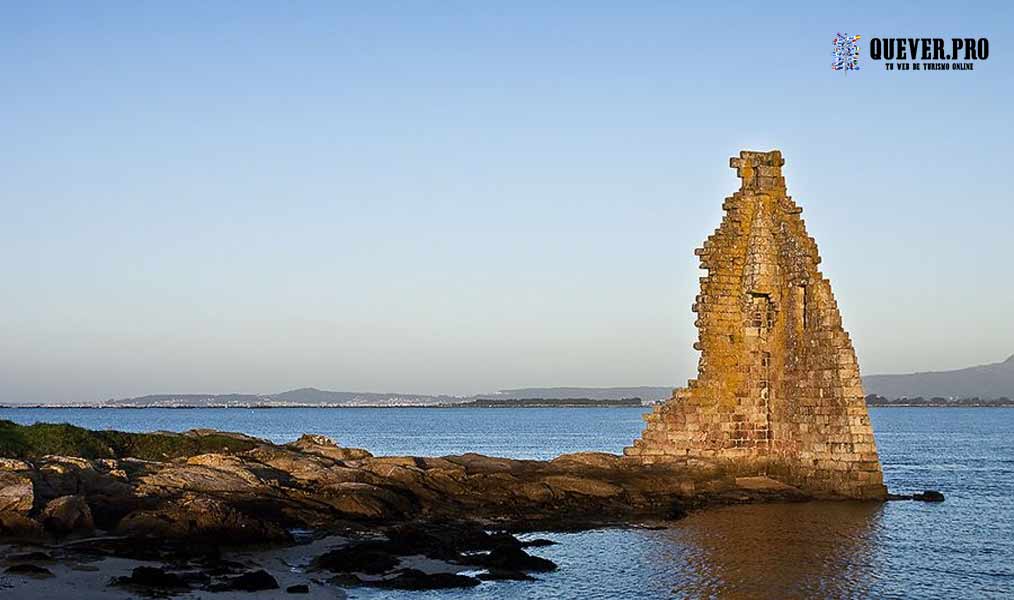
(961, 548)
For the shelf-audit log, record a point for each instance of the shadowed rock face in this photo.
(261, 490)
(778, 390)
(66, 514)
(16, 491)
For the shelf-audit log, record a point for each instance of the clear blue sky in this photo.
(465, 196)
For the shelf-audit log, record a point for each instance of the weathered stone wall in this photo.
(778, 389)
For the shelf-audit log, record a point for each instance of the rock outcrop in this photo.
(17, 493)
(778, 390)
(324, 446)
(259, 491)
(400, 522)
(66, 514)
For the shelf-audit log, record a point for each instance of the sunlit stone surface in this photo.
(778, 389)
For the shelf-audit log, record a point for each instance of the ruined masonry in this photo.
(778, 390)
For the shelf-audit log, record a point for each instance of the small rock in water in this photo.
(300, 588)
(345, 580)
(414, 579)
(29, 569)
(254, 581)
(151, 577)
(538, 543)
(929, 496)
(367, 557)
(513, 559)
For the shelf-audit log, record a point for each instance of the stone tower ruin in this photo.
(778, 390)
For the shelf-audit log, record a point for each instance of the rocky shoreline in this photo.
(174, 505)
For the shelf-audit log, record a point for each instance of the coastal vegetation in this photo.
(938, 402)
(41, 439)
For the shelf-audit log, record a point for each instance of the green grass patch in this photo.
(33, 441)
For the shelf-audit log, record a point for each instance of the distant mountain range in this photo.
(986, 382)
(646, 393)
(316, 397)
(300, 397)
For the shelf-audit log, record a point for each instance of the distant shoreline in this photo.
(940, 405)
(435, 406)
(473, 403)
(448, 406)
(874, 400)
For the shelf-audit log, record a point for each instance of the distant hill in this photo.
(323, 397)
(985, 382)
(316, 397)
(300, 397)
(646, 393)
(189, 400)
(547, 403)
(988, 382)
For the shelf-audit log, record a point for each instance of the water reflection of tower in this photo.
(785, 551)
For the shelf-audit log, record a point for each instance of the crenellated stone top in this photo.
(759, 170)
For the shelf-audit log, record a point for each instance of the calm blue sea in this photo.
(962, 548)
